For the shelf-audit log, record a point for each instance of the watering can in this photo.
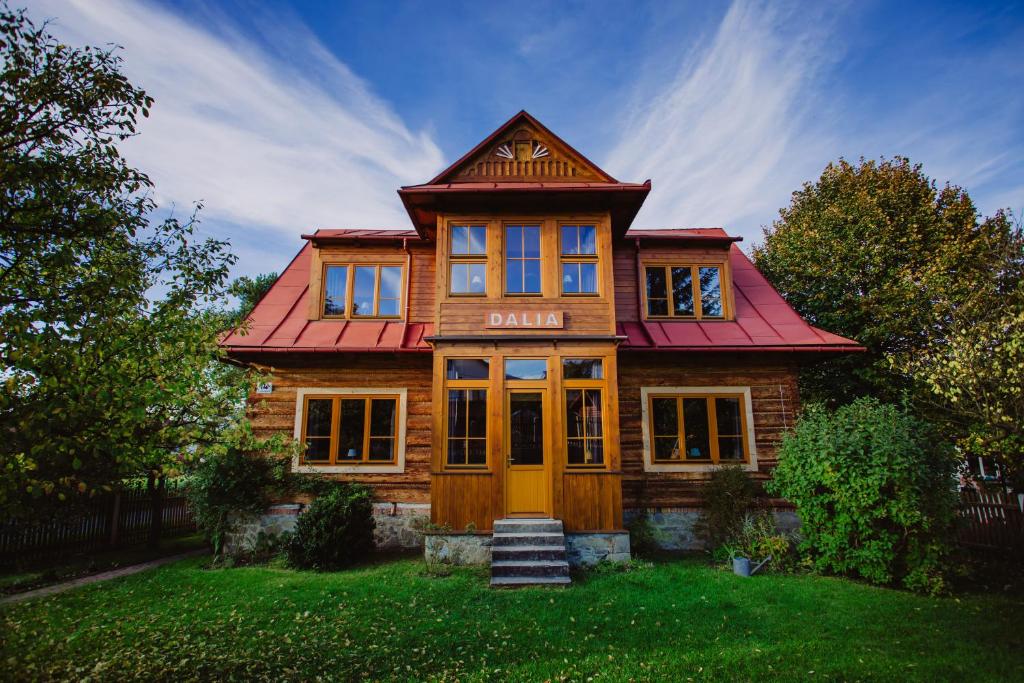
(741, 566)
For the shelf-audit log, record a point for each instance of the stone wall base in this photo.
(582, 550)
(396, 526)
(675, 528)
(457, 549)
(586, 550)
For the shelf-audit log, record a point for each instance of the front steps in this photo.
(528, 552)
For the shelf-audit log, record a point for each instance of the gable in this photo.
(522, 149)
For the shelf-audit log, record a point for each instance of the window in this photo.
(526, 369)
(708, 428)
(584, 411)
(584, 430)
(349, 430)
(335, 290)
(362, 291)
(522, 259)
(468, 260)
(684, 291)
(466, 412)
(582, 368)
(579, 259)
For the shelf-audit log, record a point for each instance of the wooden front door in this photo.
(527, 461)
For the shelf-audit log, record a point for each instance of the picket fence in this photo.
(118, 519)
(991, 520)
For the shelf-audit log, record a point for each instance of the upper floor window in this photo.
(362, 291)
(684, 291)
(522, 259)
(579, 259)
(468, 252)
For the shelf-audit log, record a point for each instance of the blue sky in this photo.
(283, 117)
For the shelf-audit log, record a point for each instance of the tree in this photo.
(102, 379)
(248, 291)
(876, 252)
(973, 375)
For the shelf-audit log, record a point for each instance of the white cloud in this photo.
(279, 135)
(733, 131)
(750, 113)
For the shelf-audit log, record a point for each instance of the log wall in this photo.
(774, 399)
(275, 413)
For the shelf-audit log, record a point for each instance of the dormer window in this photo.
(684, 291)
(468, 252)
(579, 259)
(522, 259)
(361, 290)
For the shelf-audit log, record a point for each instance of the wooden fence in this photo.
(118, 519)
(991, 520)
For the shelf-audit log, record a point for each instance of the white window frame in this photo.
(397, 467)
(651, 466)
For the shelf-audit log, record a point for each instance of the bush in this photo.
(757, 539)
(336, 530)
(643, 537)
(874, 489)
(728, 495)
(233, 483)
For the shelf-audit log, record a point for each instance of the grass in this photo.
(24, 579)
(673, 620)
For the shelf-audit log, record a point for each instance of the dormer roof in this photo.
(523, 166)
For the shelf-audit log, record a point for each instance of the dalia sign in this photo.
(548, 320)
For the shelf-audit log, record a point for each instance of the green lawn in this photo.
(74, 567)
(677, 620)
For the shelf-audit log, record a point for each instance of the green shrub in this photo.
(759, 538)
(874, 489)
(643, 537)
(336, 530)
(233, 483)
(728, 495)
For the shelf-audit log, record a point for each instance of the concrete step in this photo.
(522, 526)
(539, 538)
(519, 581)
(529, 568)
(528, 552)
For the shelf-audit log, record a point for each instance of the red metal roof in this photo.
(763, 322)
(280, 323)
(330, 234)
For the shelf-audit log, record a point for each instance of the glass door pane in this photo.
(526, 428)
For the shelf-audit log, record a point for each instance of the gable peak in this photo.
(523, 150)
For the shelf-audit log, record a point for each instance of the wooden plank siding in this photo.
(584, 314)
(275, 413)
(774, 399)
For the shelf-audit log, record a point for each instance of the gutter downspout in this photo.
(639, 294)
(408, 289)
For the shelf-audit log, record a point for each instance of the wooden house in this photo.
(523, 361)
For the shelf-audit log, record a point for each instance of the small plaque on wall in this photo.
(551, 320)
(265, 388)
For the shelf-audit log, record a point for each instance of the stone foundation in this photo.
(457, 549)
(396, 526)
(586, 550)
(582, 550)
(675, 528)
